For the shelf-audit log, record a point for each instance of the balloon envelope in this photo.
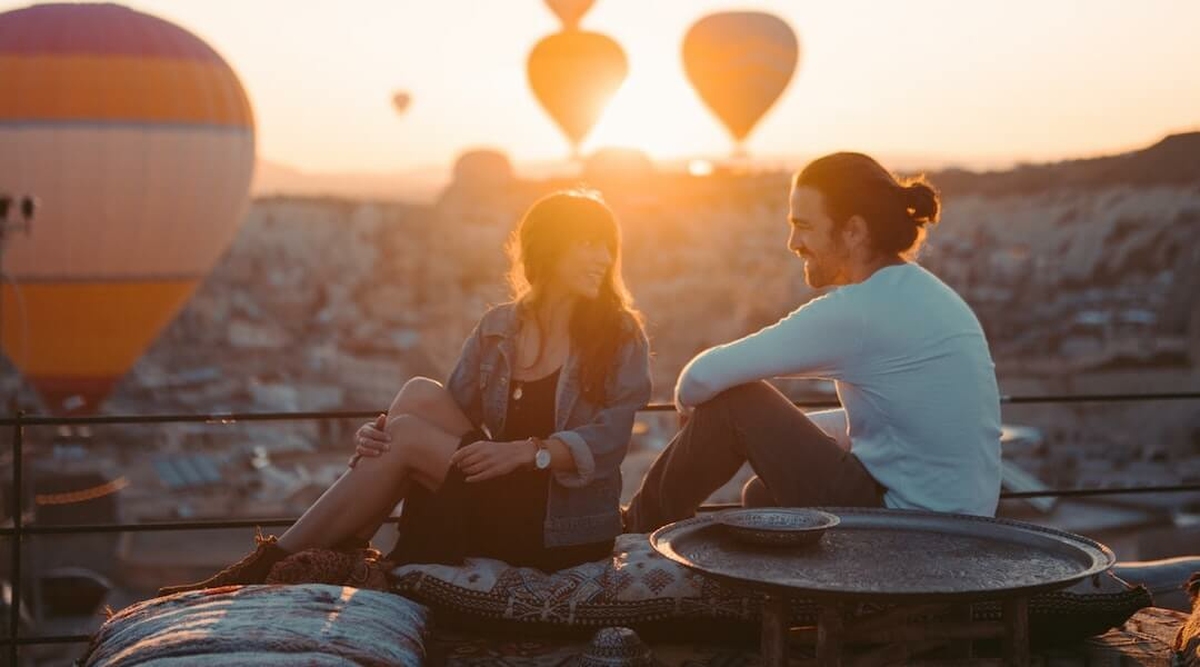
(482, 168)
(138, 140)
(400, 101)
(573, 75)
(739, 63)
(570, 12)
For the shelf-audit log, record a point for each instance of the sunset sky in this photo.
(977, 83)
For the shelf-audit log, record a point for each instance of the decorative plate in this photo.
(777, 526)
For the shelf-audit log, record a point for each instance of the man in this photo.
(920, 424)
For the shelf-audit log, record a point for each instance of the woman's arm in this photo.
(599, 446)
(463, 383)
(486, 459)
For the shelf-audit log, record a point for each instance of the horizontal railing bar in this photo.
(193, 418)
(157, 526)
(231, 417)
(273, 522)
(1103, 398)
(1067, 493)
(46, 639)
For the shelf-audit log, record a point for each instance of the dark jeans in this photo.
(798, 464)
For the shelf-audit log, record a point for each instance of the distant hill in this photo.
(272, 178)
(1173, 161)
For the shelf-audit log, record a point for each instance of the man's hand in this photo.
(684, 411)
(484, 459)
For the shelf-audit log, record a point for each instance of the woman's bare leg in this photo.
(429, 400)
(365, 494)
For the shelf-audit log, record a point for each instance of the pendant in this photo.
(517, 393)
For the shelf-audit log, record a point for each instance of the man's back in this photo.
(912, 370)
(920, 393)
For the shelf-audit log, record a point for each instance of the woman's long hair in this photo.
(598, 326)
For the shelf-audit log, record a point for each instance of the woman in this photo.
(518, 456)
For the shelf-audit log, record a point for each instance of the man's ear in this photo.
(855, 232)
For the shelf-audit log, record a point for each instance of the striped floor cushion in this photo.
(307, 624)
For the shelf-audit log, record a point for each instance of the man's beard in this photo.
(818, 274)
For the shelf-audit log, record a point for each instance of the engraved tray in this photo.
(894, 555)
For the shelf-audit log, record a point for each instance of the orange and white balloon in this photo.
(138, 139)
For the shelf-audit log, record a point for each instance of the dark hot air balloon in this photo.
(573, 75)
(570, 12)
(739, 63)
(400, 101)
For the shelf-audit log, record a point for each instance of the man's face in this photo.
(814, 239)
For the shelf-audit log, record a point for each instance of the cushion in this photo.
(310, 624)
(640, 588)
(1186, 647)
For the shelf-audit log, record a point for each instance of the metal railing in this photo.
(19, 529)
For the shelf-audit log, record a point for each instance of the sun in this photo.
(662, 119)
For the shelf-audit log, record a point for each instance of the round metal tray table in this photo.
(902, 557)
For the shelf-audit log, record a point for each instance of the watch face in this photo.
(542, 459)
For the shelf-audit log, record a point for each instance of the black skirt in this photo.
(502, 518)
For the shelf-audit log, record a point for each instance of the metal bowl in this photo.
(777, 526)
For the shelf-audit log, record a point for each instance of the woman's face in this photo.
(583, 268)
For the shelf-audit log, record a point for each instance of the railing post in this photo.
(18, 510)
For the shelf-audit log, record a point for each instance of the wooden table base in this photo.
(893, 635)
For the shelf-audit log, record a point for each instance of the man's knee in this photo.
(417, 395)
(756, 494)
(739, 398)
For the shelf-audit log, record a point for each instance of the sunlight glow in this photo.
(700, 168)
(641, 115)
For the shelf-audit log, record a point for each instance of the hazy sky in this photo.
(961, 80)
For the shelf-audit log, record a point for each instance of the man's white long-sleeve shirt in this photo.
(913, 372)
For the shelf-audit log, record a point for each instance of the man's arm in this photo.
(818, 339)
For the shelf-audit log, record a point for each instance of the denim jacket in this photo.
(584, 505)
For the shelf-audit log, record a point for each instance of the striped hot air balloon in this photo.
(138, 139)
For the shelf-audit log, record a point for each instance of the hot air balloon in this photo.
(400, 101)
(739, 63)
(573, 75)
(139, 141)
(482, 168)
(570, 12)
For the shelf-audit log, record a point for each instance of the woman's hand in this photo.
(371, 440)
(487, 460)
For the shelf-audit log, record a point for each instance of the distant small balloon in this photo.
(400, 101)
(739, 63)
(573, 75)
(570, 12)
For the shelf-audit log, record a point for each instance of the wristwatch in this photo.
(541, 460)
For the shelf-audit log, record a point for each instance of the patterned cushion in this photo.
(309, 624)
(639, 587)
(1185, 651)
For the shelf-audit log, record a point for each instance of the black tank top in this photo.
(502, 518)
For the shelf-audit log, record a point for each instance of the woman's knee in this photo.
(405, 430)
(417, 396)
